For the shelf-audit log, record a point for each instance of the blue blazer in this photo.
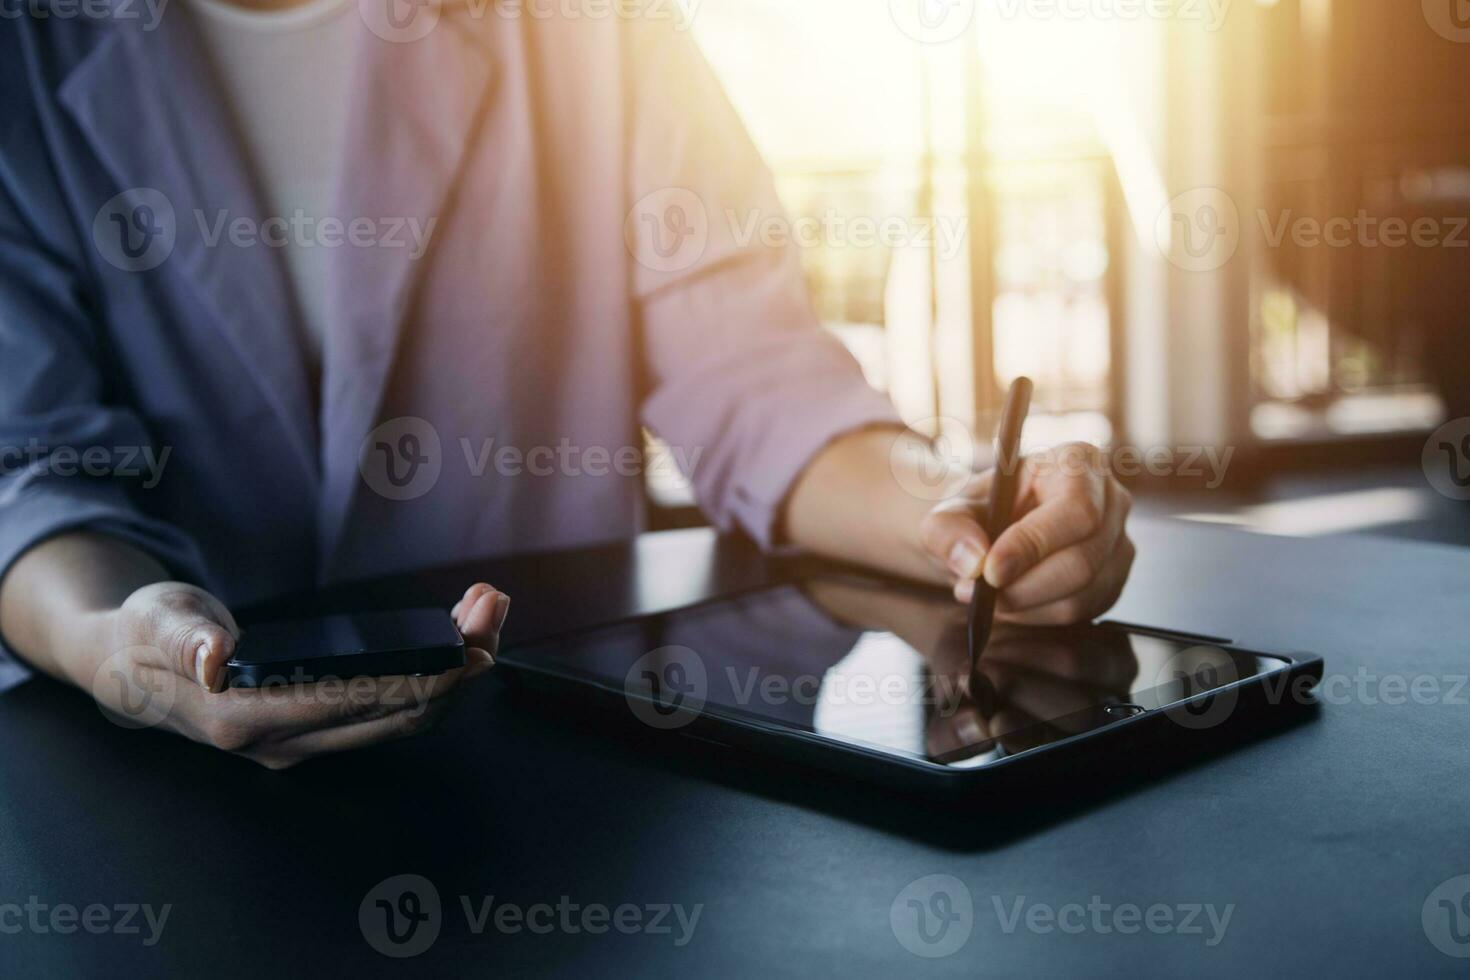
(484, 396)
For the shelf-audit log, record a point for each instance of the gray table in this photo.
(1325, 840)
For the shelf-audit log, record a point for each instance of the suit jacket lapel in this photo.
(148, 104)
(417, 107)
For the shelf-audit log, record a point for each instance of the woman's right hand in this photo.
(166, 648)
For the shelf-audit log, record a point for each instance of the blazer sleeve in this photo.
(66, 443)
(741, 375)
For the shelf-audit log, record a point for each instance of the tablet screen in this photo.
(860, 662)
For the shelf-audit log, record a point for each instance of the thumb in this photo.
(197, 636)
(952, 535)
(480, 615)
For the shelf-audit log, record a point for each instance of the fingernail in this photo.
(200, 656)
(998, 572)
(502, 609)
(966, 560)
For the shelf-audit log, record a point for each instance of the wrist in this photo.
(82, 643)
(59, 602)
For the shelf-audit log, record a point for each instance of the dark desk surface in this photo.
(1327, 838)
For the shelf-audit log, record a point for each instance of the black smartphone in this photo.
(874, 680)
(403, 642)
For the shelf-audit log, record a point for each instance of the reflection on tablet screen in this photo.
(888, 669)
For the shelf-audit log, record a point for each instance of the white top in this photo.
(285, 76)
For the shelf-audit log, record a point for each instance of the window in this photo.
(1361, 130)
(978, 148)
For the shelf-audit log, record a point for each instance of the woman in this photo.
(320, 265)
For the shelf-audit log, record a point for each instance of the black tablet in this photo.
(874, 679)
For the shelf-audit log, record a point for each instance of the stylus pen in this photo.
(1002, 504)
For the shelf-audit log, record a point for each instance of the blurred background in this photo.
(1235, 225)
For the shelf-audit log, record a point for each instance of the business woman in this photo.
(282, 282)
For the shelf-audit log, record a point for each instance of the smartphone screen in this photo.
(866, 664)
